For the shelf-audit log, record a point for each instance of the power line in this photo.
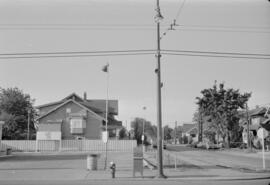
(132, 27)
(62, 26)
(134, 52)
(80, 52)
(221, 30)
(73, 56)
(218, 56)
(173, 24)
(217, 53)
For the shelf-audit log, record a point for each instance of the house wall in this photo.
(93, 125)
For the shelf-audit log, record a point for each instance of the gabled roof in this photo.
(77, 103)
(100, 105)
(96, 105)
(258, 111)
(49, 104)
(188, 127)
(73, 96)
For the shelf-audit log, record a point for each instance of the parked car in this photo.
(164, 145)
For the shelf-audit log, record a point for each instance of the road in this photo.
(138, 182)
(226, 158)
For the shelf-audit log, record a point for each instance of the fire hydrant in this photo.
(113, 168)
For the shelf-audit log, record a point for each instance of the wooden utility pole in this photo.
(160, 174)
(248, 127)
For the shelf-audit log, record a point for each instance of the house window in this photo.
(68, 110)
(77, 125)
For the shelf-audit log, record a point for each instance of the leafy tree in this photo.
(221, 106)
(149, 130)
(122, 133)
(14, 106)
(168, 133)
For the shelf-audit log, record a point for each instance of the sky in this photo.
(240, 26)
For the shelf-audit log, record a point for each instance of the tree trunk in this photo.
(228, 141)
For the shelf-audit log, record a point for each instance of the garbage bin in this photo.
(8, 151)
(92, 161)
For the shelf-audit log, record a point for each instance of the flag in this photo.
(105, 68)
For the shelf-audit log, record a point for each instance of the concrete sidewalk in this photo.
(78, 174)
(69, 167)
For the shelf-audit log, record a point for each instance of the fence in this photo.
(67, 145)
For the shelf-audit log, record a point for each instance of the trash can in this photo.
(92, 161)
(8, 151)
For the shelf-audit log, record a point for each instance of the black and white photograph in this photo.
(136, 92)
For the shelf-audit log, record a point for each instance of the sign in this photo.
(48, 135)
(105, 136)
(245, 137)
(142, 137)
(262, 133)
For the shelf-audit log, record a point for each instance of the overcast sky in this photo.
(241, 26)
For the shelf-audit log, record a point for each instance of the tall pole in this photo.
(106, 116)
(175, 130)
(143, 130)
(248, 128)
(160, 174)
(28, 124)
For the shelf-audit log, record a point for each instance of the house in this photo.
(259, 117)
(77, 118)
(190, 130)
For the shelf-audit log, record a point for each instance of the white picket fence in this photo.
(67, 145)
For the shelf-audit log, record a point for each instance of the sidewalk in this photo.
(73, 168)
(79, 174)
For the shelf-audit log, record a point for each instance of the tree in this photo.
(221, 106)
(14, 107)
(168, 133)
(149, 130)
(122, 133)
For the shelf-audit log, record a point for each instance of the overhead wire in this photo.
(131, 27)
(134, 52)
(173, 24)
(73, 56)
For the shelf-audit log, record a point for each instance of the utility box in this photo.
(137, 161)
(92, 161)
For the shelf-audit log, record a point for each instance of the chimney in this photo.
(84, 96)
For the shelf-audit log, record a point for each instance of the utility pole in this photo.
(160, 174)
(200, 126)
(248, 128)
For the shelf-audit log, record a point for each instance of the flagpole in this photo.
(106, 118)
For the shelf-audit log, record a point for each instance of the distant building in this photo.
(77, 118)
(190, 130)
(259, 117)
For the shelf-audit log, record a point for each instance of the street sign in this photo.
(262, 133)
(245, 137)
(105, 136)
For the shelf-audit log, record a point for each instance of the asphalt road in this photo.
(139, 182)
(235, 159)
